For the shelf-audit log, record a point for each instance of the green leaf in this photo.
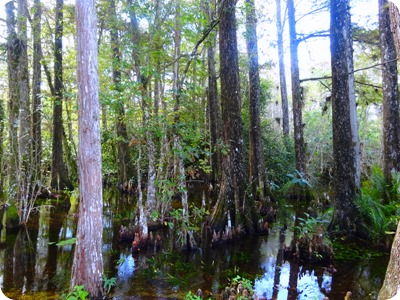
(70, 241)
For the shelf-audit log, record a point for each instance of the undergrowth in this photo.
(379, 206)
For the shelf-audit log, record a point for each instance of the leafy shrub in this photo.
(278, 154)
(79, 293)
(378, 204)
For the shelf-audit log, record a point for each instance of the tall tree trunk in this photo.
(391, 122)
(214, 110)
(395, 25)
(142, 220)
(344, 121)
(87, 268)
(59, 177)
(125, 166)
(391, 283)
(179, 167)
(230, 203)
(13, 53)
(282, 74)
(36, 95)
(151, 203)
(297, 94)
(2, 138)
(24, 134)
(257, 166)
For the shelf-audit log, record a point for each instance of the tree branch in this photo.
(368, 84)
(312, 12)
(304, 37)
(206, 32)
(354, 71)
(315, 78)
(373, 66)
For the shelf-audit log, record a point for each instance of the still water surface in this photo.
(33, 267)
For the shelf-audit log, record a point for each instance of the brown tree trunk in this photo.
(2, 138)
(214, 110)
(390, 105)
(36, 95)
(59, 177)
(87, 268)
(256, 160)
(297, 93)
(395, 25)
(282, 75)
(344, 122)
(230, 204)
(391, 284)
(13, 97)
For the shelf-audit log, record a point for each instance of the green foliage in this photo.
(108, 283)
(352, 251)
(246, 283)
(309, 226)
(70, 241)
(79, 293)
(298, 186)
(190, 296)
(378, 205)
(297, 178)
(238, 287)
(278, 153)
(179, 222)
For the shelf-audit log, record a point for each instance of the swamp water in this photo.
(33, 267)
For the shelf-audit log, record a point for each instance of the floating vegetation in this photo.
(353, 251)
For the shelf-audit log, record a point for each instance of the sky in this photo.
(313, 53)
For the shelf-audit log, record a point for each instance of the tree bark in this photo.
(2, 138)
(257, 166)
(230, 203)
(13, 53)
(391, 283)
(24, 134)
(36, 95)
(395, 25)
(390, 105)
(214, 110)
(87, 268)
(297, 92)
(282, 74)
(59, 177)
(346, 151)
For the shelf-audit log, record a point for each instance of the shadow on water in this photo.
(32, 266)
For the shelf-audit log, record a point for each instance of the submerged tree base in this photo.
(306, 249)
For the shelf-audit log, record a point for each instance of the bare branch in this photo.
(324, 7)
(315, 78)
(373, 66)
(368, 84)
(206, 32)
(318, 34)
(354, 71)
